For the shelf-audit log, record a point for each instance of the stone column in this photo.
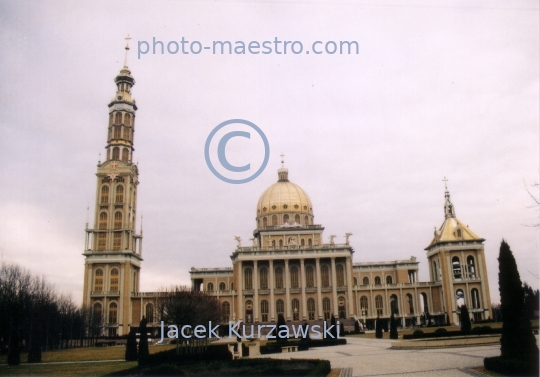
(349, 286)
(334, 288)
(272, 286)
(239, 286)
(256, 289)
(287, 291)
(319, 285)
(302, 314)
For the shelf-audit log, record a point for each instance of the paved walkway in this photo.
(374, 357)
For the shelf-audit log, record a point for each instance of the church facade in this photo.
(288, 269)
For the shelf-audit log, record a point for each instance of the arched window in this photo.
(326, 308)
(117, 240)
(297, 219)
(248, 281)
(389, 279)
(149, 312)
(105, 194)
(456, 267)
(263, 278)
(210, 287)
(273, 243)
(423, 303)
(435, 277)
(377, 280)
(222, 286)
(97, 313)
(127, 122)
(394, 304)
(311, 309)
(125, 155)
(340, 275)
(118, 220)
(285, 218)
(355, 281)
(294, 277)
(280, 307)
(232, 286)
(411, 304)
(102, 221)
(265, 222)
(279, 277)
(302, 242)
(118, 118)
(364, 305)
(471, 267)
(264, 311)
(310, 279)
(98, 280)
(280, 243)
(296, 309)
(310, 242)
(110, 120)
(119, 194)
(325, 276)
(117, 132)
(102, 241)
(365, 280)
(114, 280)
(226, 308)
(379, 305)
(306, 220)
(113, 311)
(274, 220)
(116, 153)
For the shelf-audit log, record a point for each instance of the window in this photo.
(102, 241)
(296, 309)
(285, 218)
(226, 308)
(118, 220)
(248, 282)
(119, 194)
(294, 277)
(280, 243)
(471, 267)
(125, 155)
(435, 277)
(340, 275)
(264, 311)
(117, 240)
(265, 222)
(116, 153)
(273, 243)
(394, 304)
(458, 233)
(110, 120)
(97, 313)
(325, 276)
(411, 304)
(377, 280)
(98, 280)
(118, 118)
(105, 194)
(279, 277)
(222, 286)
(306, 220)
(113, 311)
(210, 287)
(456, 267)
(232, 286)
(297, 219)
(149, 312)
(389, 280)
(274, 220)
(263, 278)
(114, 280)
(310, 242)
(460, 298)
(117, 132)
(364, 305)
(102, 221)
(326, 308)
(302, 242)
(127, 120)
(379, 305)
(280, 307)
(365, 280)
(310, 279)
(355, 281)
(311, 309)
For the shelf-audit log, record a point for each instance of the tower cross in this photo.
(445, 180)
(282, 161)
(127, 49)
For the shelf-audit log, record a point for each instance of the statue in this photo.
(347, 235)
(255, 241)
(239, 240)
(332, 239)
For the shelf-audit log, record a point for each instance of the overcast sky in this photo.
(437, 89)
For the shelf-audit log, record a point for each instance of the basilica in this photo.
(287, 269)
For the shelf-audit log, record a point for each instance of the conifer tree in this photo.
(333, 325)
(131, 347)
(280, 322)
(378, 328)
(465, 319)
(143, 341)
(393, 327)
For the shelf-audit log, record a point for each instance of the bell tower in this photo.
(457, 264)
(113, 249)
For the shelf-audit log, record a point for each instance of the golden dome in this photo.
(284, 203)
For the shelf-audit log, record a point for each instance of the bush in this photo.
(440, 330)
(213, 352)
(511, 367)
(417, 333)
(323, 368)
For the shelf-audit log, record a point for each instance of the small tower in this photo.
(457, 264)
(113, 250)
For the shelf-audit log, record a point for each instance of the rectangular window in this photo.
(117, 241)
